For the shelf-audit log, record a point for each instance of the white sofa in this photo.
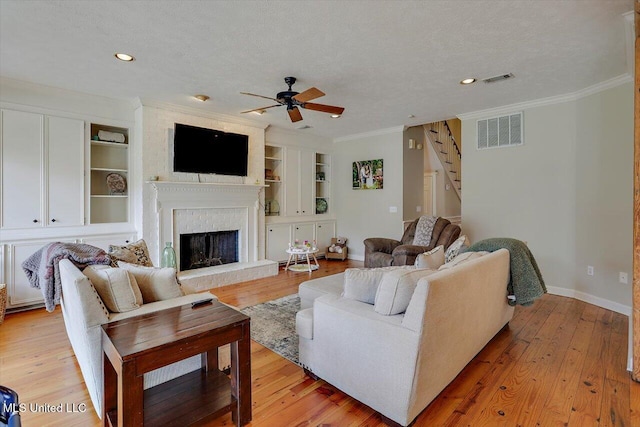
(84, 313)
(398, 364)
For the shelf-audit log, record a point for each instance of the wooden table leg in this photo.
(288, 262)
(316, 260)
(209, 360)
(130, 397)
(241, 377)
(308, 263)
(110, 397)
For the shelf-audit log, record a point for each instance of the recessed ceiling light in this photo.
(467, 81)
(411, 116)
(124, 57)
(201, 97)
(335, 116)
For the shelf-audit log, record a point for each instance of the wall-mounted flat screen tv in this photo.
(201, 150)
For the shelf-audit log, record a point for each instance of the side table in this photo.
(143, 343)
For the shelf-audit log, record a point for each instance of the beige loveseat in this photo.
(397, 364)
(84, 313)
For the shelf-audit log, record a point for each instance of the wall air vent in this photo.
(499, 78)
(304, 127)
(503, 131)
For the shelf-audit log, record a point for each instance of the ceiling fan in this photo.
(292, 100)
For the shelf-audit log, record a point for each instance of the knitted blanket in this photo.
(526, 283)
(43, 272)
(424, 230)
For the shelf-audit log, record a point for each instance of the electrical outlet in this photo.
(590, 270)
(393, 209)
(623, 278)
(418, 208)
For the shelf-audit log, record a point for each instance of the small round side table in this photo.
(303, 254)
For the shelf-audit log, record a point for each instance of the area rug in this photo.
(273, 324)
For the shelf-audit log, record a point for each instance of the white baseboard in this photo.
(356, 257)
(600, 302)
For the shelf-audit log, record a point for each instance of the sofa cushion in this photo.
(461, 259)
(432, 259)
(156, 284)
(304, 323)
(456, 246)
(117, 288)
(133, 253)
(361, 284)
(395, 290)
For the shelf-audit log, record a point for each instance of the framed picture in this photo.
(367, 175)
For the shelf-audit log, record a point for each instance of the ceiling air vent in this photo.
(499, 78)
(503, 131)
(304, 127)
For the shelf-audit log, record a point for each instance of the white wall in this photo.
(566, 191)
(365, 213)
(413, 175)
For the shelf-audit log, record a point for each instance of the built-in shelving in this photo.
(273, 177)
(109, 162)
(322, 179)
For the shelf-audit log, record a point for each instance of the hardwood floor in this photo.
(560, 362)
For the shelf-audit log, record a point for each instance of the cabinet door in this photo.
(324, 232)
(292, 182)
(302, 232)
(278, 239)
(307, 179)
(65, 171)
(103, 242)
(22, 159)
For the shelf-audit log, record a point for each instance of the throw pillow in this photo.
(361, 284)
(454, 249)
(396, 289)
(117, 288)
(432, 259)
(133, 253)
(461, 259)
(156, 284)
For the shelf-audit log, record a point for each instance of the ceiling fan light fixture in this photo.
(259, 112)
(201, 98)
(467, 81)
(124, 57)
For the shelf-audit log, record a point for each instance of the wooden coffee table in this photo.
(143, 343)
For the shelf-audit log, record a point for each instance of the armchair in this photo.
(383, 252)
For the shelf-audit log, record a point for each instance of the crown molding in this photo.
(396, 129)
(542, 102)
(200, 113)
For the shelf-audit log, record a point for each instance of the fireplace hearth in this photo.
(209, 249)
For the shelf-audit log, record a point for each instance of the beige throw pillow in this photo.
(432, 259)
(454, 249)
(156, 284)
(133, 253)
(117, 288)
(396, 289)
(461, 259)
(361, 284)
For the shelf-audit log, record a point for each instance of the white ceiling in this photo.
(381, 60)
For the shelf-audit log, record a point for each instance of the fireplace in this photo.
(199, 250)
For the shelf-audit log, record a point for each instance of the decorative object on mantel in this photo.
(367, 175)
(168, 256)
(116, 183)
(107, 136)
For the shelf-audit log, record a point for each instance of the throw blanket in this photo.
(526, 282)
(43, 272)
(424, 229)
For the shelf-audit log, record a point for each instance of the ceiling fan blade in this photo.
(259, 96)
(324, 108)
(261, 108)
(294, 114)
(308, 95)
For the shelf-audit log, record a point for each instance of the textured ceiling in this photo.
(381, 60)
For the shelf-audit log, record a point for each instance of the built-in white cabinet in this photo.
(322, 183)
(42, 170)
(103, 242)
(278, 239)
(299, 172)
(109, 167)
(280, 235)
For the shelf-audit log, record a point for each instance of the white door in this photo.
(65, 171)
(302, 232)
(278, 239)
(325, 231)
(429, 187)
(292, 181)
(22, 158)
(307, 180)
